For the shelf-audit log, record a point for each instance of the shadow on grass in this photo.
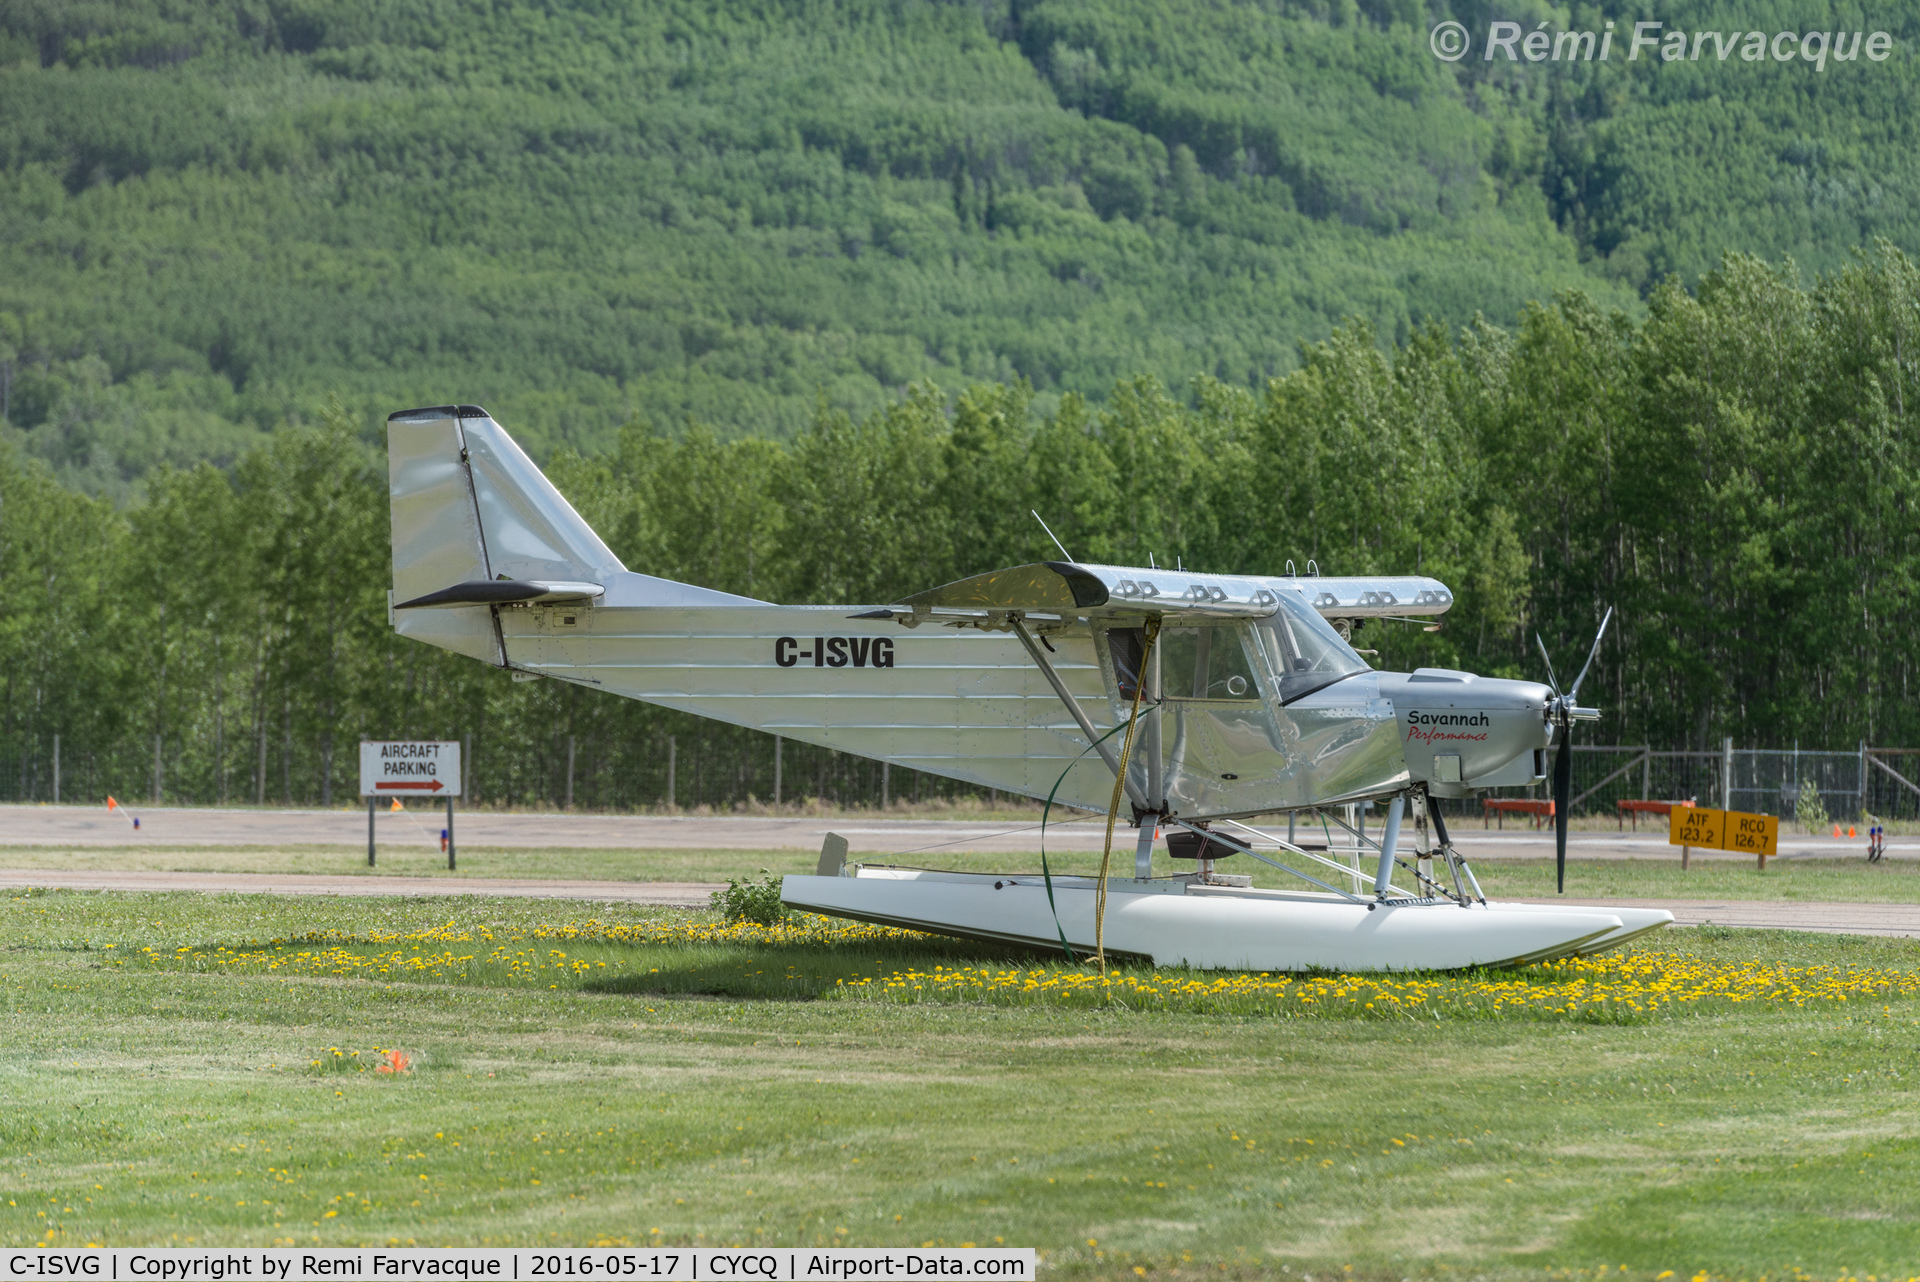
(806, 972)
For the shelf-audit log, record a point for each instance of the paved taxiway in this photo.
(94, 828)
(76, 827)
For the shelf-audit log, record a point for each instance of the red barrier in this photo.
(1634, 809)
(1504, 806)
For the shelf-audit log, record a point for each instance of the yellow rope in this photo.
(1119, 789)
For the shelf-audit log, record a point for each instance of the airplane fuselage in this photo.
(1251, 700)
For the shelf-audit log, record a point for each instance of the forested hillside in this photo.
(1738, 474)
(214, 213)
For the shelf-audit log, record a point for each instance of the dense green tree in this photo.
(213, 215)
(1736, 472)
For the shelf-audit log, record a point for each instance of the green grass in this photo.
(178, 1102)
(491, 862)
(475, 863)
(1839, 880)
(1848, 880)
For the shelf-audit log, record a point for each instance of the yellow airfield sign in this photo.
(1699, 827)
(1695, 826)
(1752, 834)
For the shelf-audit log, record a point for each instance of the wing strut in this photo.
(1094, 737)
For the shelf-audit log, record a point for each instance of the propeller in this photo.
(1562, 712)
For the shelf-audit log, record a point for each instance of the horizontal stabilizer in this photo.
(504, 592)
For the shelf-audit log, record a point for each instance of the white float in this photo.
(1186, 921)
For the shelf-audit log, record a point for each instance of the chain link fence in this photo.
(1812, 787)
(725, 768)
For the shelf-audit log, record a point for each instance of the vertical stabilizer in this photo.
(436, 527)
(436, 532)
(476, 524)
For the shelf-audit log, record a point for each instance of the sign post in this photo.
(409, 768)
(1758, 835)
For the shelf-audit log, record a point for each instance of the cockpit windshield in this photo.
(1303, 651)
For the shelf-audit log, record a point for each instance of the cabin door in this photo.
(1218, 749)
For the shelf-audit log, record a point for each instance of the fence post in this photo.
(886, 782)
(572, 743)
(156, 770)
(1863, 781)
(778, 744)
(673, 752)
(1646, 773)
(56, 770)
(1726, 774)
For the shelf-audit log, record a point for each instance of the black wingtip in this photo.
(440, 411)
(424, 411)
(1086, 586)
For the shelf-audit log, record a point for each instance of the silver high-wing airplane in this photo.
(1253, 703)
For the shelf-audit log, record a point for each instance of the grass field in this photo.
(1844, 880)
(1736, 1103)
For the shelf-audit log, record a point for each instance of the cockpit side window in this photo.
(1125, 645)
(1206, 663)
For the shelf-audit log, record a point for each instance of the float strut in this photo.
(1388, 840)
(1455, 860)
(1143, 852)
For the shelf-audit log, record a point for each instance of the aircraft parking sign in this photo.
(410, 769)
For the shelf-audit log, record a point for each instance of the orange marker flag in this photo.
(397, 805)
(1850, 831)
(1836, 830)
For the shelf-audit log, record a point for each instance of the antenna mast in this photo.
(1050, 534)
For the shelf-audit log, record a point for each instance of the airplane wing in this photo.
(1069, 589)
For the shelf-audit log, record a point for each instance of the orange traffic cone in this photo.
(1836, 830)
(1850, 830)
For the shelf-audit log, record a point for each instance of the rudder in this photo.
(470, 508)
(436, 532)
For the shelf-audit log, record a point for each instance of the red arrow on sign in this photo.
(395, 786)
